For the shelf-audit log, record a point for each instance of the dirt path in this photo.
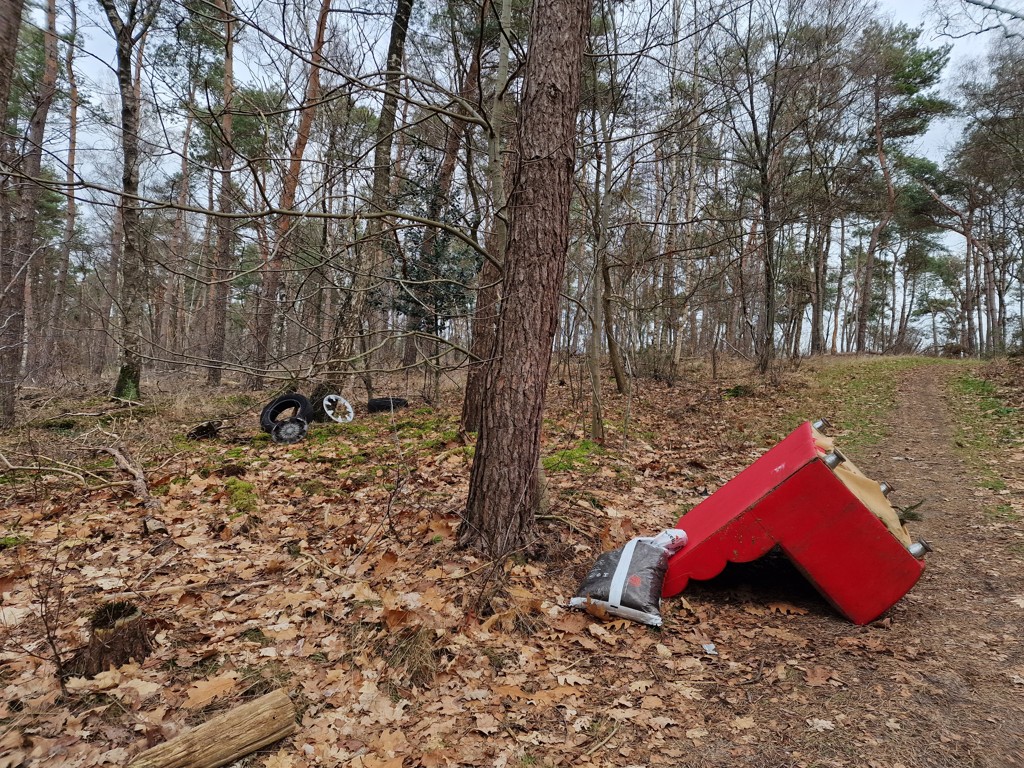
(966, 701)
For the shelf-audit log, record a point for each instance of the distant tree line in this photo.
(319, 190)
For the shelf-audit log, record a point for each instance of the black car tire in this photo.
(385, 404)
(290, 405)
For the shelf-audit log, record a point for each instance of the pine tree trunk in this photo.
(55, 316)
(504, 491)
(221, 271)
(129, 37)
(13, 275)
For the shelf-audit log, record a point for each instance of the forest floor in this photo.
(329, 568)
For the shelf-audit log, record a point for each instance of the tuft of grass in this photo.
(12, 541)
(241, 495)
(740, 390)
(856, 395)
(255, 635)
(578, 459)
(1002, 513)
(984, 424)
(412, 655)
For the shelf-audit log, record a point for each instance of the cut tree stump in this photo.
(119, 635)
(227, 737)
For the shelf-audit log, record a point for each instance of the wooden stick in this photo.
(140, 485)
(227, 737)
(176, 588)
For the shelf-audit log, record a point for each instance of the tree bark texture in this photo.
(221, 272)
(10, 23)
(23, 236)
(128, 35)
(503, 492)
(55, 318)
(10, 304)
(227, 737)
(118, 635)
(488, 295)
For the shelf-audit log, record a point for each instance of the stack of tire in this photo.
(287, 417)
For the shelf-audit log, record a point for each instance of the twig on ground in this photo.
(206, 584)
(140, 485)
(603, 741)
(322, 566)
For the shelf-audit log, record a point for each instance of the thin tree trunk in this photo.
(438, 200)
(488, 296)
(837, 311)
(220, 274)
(13, 277)
(55, 322)
(272, 269)
(370, 247)
(129, 34)
(594, 358)
(864, 309)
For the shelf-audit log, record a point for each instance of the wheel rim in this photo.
(289, 430)
(338, 409)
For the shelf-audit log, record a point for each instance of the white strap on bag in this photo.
(621, 573)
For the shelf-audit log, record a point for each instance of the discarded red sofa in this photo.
(824, 514)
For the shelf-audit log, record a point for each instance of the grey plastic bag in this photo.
(627, 581)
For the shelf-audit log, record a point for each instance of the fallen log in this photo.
(227, 737)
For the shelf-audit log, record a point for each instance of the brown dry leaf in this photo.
(12, 615)
(386, 565)
(568, 621)
(696, 734)
(203, 692)
(552, 695)
(396, 618)
(817, 676)
(373, 761)
(602, 634)
(651, 702)
(742, 723)
(623, 713)
(512, 691)
(281, 759)
(486, 724)
(786, 636)
(503, 618)
(140, 690)
(820, 725)
(104, 681)
(391, 741)
(568, 678)
(438, 758)
(378, 705)
(787, 609)
(11, 739)
(597, 610)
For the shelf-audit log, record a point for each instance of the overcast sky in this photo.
(913, 12)
(909, 11)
